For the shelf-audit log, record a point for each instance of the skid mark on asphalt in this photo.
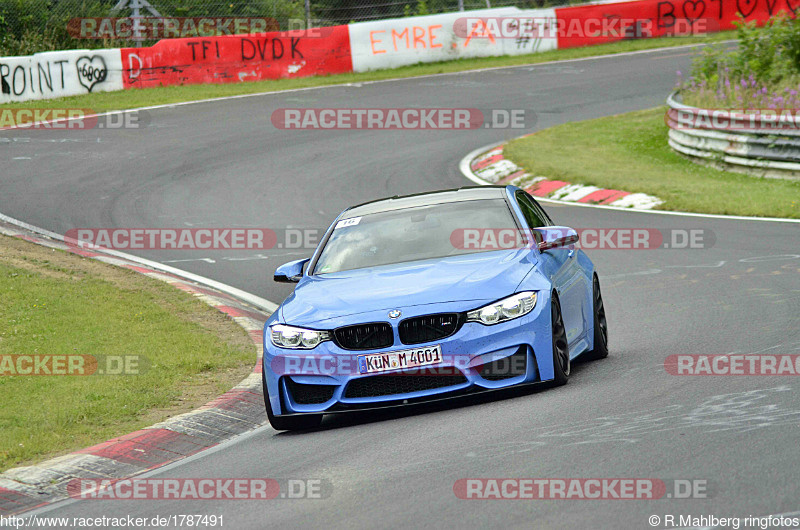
(713, 265)
(738, 412)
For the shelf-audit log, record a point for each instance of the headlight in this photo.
(297, 338)
(506, 309)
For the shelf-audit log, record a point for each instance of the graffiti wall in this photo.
(58, 74)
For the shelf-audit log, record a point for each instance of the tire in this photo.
(288, 423)
(561, 362)
(600, 350)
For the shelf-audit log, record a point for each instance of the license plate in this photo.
(384, 362)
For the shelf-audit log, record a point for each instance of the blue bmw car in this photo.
(430, 296)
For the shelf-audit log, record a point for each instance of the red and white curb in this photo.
(239, 410)
(491, 167)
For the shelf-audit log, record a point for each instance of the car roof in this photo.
(470, 193)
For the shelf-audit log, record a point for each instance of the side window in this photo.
(542, 214)
(533, 216)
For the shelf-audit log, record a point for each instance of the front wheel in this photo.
(561, 362)
(600, 350)
(288, 423)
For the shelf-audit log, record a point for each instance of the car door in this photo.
(561, 265)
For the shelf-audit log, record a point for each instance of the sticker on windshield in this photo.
(344, 223)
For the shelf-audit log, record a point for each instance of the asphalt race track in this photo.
(223, 164)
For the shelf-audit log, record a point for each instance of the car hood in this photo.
(486, 276)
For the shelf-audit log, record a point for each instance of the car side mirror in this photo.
(556, 237)
(290, 272)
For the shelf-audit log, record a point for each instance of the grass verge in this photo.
(629, 152)
(127, 99)
(56, 303)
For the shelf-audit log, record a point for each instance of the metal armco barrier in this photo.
(760, 150)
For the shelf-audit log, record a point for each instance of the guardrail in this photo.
(770, 147)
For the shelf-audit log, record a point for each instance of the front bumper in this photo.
(476, 358)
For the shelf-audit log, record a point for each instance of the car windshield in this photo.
(411, 234)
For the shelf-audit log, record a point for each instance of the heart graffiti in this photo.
(746, 7)
(91, 71)
(693, 10)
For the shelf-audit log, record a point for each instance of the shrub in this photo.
(763, 72)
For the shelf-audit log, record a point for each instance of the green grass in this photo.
(751, 97)
(54, 303)
(629, 152)
(127, 99)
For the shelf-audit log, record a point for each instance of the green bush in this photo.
(771, 53)
(762, 72)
